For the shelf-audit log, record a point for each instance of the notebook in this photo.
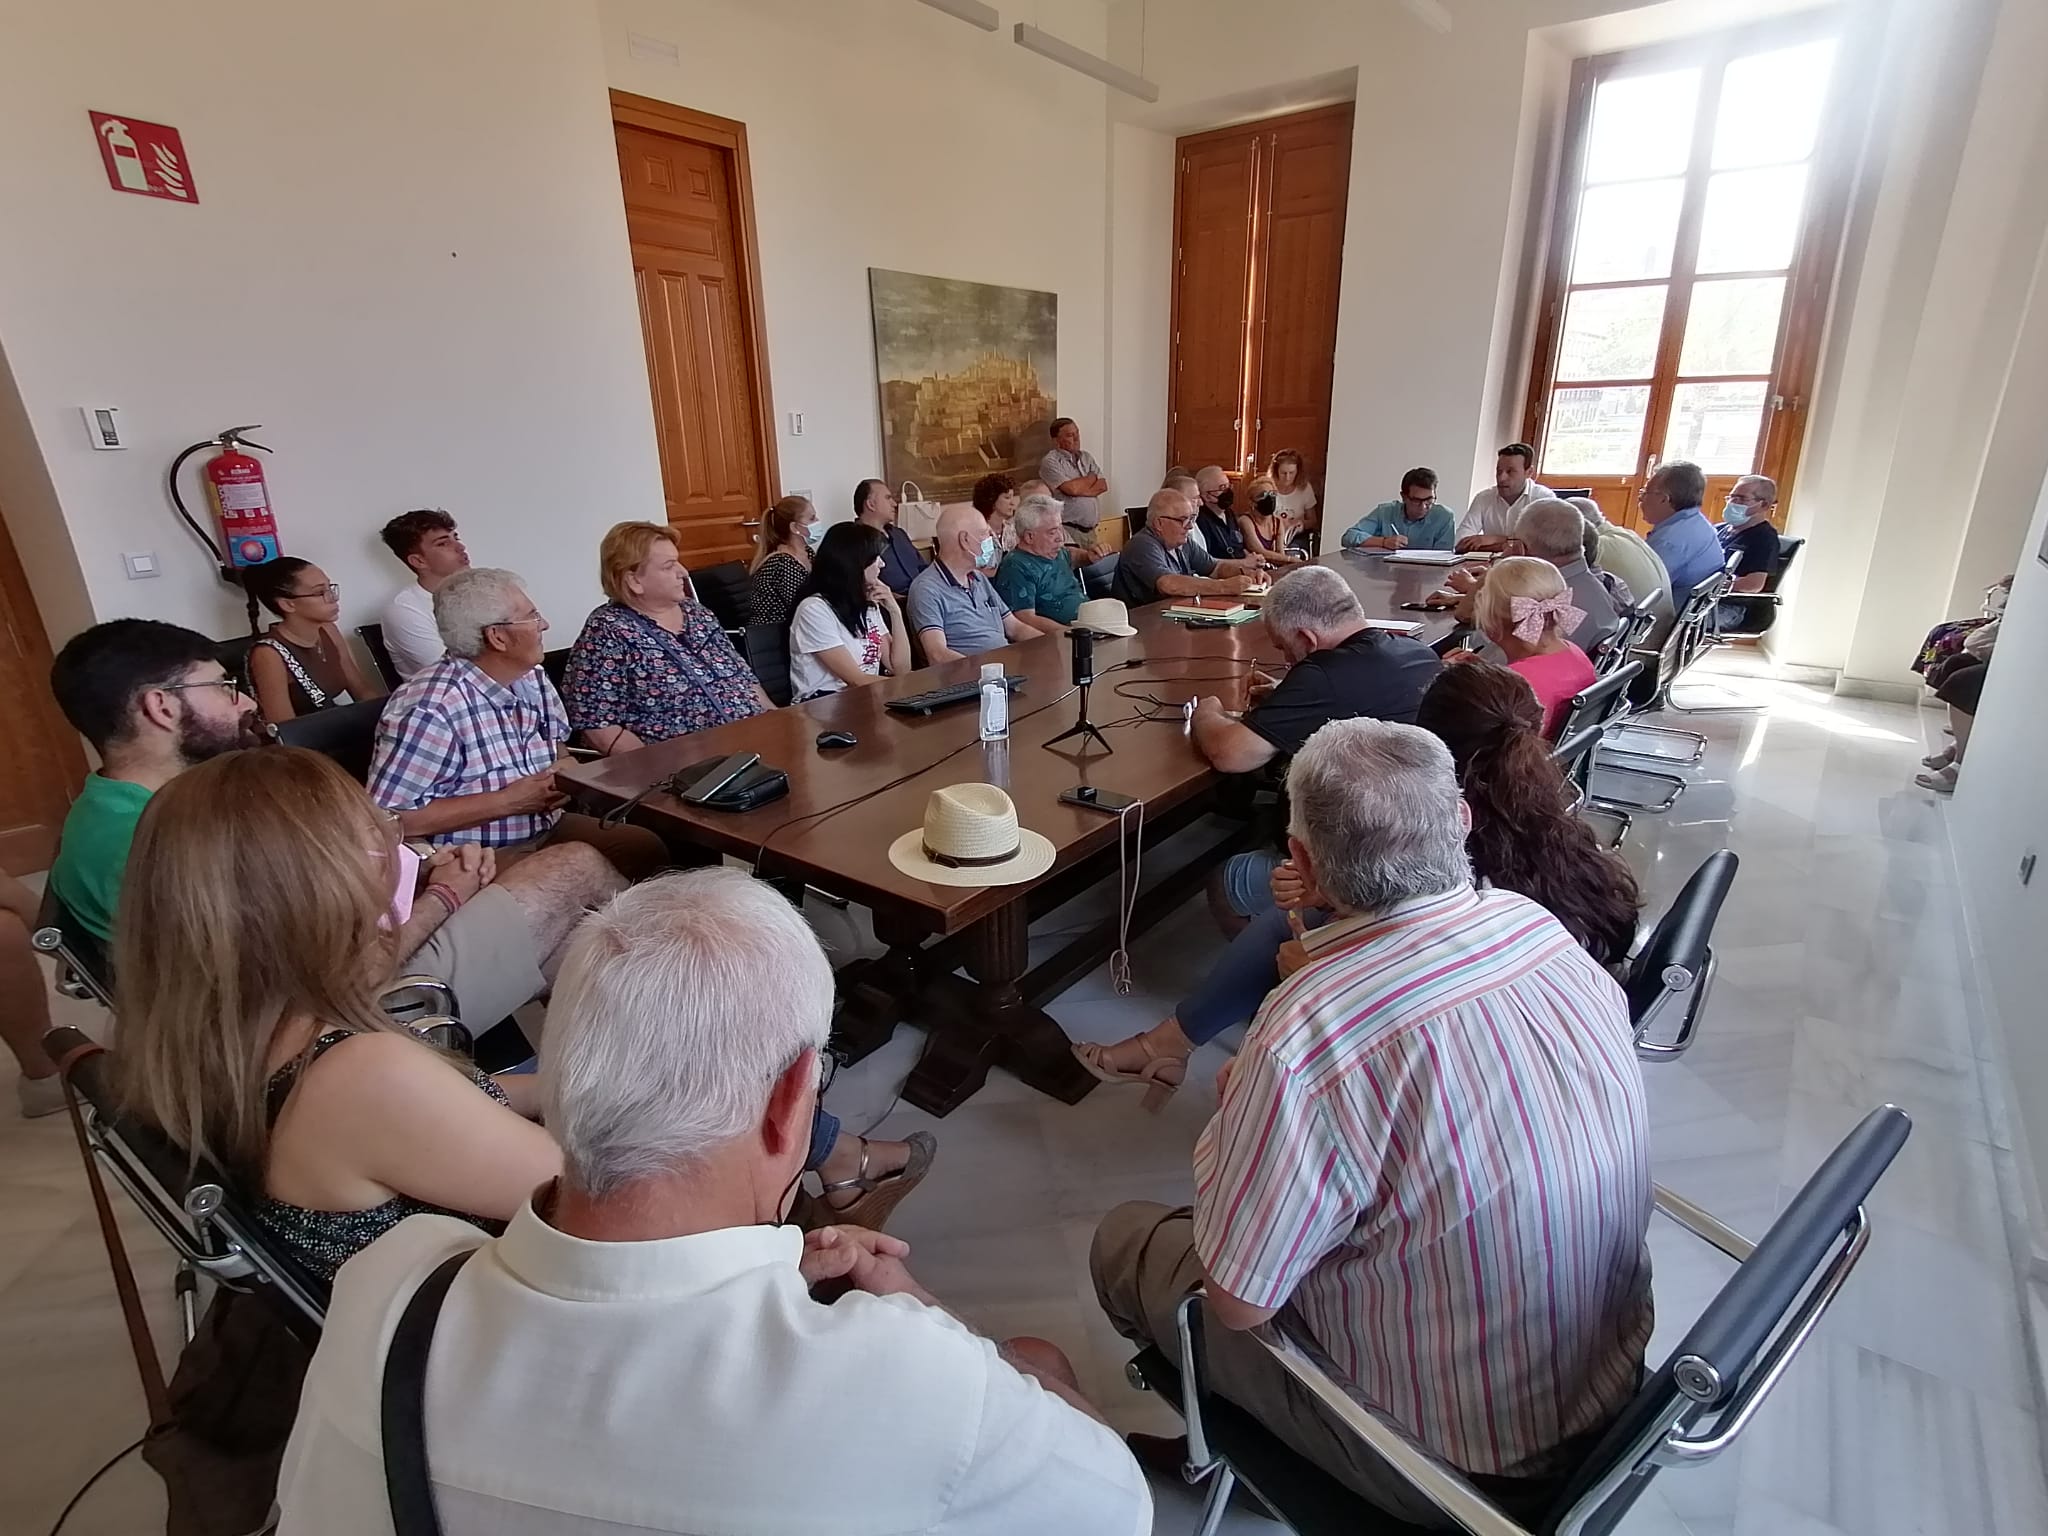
(1433, 556)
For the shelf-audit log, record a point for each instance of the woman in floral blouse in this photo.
(652, 663)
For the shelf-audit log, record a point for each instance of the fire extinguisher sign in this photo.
(146, 158)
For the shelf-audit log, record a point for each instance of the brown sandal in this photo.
(879, 1194)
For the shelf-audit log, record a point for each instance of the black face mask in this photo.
(1267, 504)
(1224, 498)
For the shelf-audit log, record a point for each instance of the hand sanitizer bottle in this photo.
(995, 703)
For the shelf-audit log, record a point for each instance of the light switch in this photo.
(103, 428)
(141, 565)
(796, 423)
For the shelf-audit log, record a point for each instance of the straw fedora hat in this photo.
(970, 836)
(1104, 615)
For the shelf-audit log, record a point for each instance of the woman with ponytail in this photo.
(782, 563)
(1523, 839)
(300, 663)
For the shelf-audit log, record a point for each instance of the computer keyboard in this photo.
(945, 698)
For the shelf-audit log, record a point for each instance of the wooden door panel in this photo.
(41, 762)
(1307, 180)
(1213, 237)
(683, 230)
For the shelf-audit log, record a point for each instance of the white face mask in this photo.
(1735, 514)
(812, 534)
(987, 553)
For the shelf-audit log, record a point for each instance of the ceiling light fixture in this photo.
(1063, 52)
(982, 16)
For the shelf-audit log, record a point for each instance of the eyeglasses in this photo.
(827, 1070)
(1188, 519)
(332, 589)
(512, 623)
(233, 687)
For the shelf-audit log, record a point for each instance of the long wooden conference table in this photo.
(845, 806)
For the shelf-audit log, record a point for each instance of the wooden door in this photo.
(42, 764)
(1259, 244)
(1698, 215)
(688, 222)
(1211, 299)
(1304, 179)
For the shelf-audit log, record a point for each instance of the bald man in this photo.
(1162, 561)
(954, 609)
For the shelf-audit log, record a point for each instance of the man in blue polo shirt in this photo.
(954, 609)
(1679, 531)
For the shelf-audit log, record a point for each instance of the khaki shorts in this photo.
(485, 953)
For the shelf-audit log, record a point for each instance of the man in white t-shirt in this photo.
(426, 541)
(642, 1349)
(1489, 523)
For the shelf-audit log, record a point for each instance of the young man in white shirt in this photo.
(641, 1349)
(1489, 523)
(429, 546)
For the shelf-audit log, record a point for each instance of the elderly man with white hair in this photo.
(1339, 668)
(1037, 579)
(467, 749)
(1432, 1154)
(643, 1348)
(954, 609)
(1555, 530)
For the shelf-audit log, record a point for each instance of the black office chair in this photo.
(767, 652)
(1574, 758)
(209, 1225)
(1690, 637)
(1760, 608)
(555, 664)
(1687, 1412)
(726, 590)
(1627, 643)
(233, 655)
(345, 732)
(85, 970)
(1136, 517)
(1674, 967)
(380, 653)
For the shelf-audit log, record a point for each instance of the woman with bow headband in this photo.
(1526, 609)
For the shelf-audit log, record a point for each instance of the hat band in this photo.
(951, 861)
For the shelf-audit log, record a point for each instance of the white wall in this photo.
(407, 261)
(1140, 193)
(885, 134)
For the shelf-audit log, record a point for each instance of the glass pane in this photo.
(1611, 333)
(1627, 231)
(1752, 219)
(1770, 105)
(1733, 326)
(1595, 431)
(1642, 126)
(1716, 425)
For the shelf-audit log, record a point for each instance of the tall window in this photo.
(1694, 234)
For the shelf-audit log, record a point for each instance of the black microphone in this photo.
(1084, 656)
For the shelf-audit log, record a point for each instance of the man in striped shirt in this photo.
(1431, 1152)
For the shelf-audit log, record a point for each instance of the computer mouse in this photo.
(829, 739)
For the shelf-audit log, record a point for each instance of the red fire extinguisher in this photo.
(240, 500)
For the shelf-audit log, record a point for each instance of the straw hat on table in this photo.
(970, 836)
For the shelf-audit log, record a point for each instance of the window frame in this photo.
(1808, 278)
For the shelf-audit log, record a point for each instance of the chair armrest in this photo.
(1469, 1509)
(1703, 1224)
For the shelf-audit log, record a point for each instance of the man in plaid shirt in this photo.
(467, 750)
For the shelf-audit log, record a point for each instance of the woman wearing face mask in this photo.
(300, 663)
(789, 531)
(1264, 526)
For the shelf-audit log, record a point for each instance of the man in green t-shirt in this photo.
(153, 700)
(1036, 578)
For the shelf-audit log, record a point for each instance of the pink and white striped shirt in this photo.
(1434, 1148)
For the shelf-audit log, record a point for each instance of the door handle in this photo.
(754, 524)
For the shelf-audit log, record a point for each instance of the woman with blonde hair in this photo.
(652, 663)
(250, 950)
(783, 561)
(1525, 608)
(1264, 525)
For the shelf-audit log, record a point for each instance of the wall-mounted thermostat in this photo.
(103, 426)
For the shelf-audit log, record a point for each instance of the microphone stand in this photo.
(1084, 674)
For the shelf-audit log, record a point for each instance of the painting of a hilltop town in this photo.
(969, 377)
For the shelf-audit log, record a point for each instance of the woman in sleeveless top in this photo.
(300, 663)
(782, 564)
(1263, 526)
(254, 935)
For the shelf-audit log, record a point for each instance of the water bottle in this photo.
(995, 703)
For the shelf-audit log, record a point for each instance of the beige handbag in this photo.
(916, 516)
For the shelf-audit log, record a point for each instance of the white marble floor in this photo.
(1842, 985)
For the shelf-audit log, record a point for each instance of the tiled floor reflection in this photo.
(1841, 985)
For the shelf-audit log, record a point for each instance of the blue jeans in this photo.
(824, 1131)
(1241, 977)
(1248, 881)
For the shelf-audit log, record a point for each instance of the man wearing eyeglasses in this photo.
(1414, 520)
(153, 700)
(1162, 561)
(467, 750)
